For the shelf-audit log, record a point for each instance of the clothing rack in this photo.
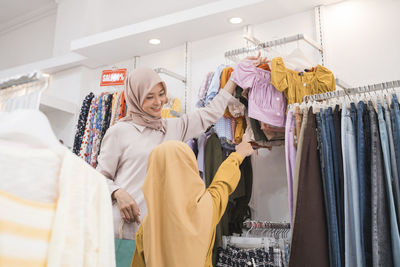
(353, 91)
(16, 88)
(20, 80)
(232, 53)
(265, 225)
(171, 74)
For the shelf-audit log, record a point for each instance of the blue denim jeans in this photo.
(386, 160)
(363, 166)
(396, 129)
(353, 115)
(395, 175)
(337, 123)
(336, 179)
(353, 249)
(395, 116)
(381, 244)
(330, 193)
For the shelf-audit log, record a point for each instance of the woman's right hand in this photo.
(127, 206)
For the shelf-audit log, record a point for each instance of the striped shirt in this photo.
(25, 231)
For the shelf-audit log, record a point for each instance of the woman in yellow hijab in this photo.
(179, 228)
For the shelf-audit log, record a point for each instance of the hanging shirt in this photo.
(225, 74)
(266, 104)
(176, 106)
(214, 85)
(295, 85)
(80, 128)
(115, 107)
(54, 208)
(97, 130)
(122, 108)
(83, 150)
(126, 147)
(94, 129)
(223, 128)
(201, 144)
(203, 90)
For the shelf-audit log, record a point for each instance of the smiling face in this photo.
(155, 100)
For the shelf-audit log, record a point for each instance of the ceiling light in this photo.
(235, 20)
(154, 41)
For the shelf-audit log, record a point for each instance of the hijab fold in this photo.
(138, 85)
(177, 227)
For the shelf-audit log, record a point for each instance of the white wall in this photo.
(363, 41)
(29, 43)
(269, 199)
(72, 23)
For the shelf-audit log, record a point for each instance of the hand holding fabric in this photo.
(244, 148)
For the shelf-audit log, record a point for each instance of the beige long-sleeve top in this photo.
(126, 147)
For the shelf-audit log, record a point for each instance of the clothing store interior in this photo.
(200, 133)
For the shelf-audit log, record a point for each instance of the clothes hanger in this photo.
(298, 60)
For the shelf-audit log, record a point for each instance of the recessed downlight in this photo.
(154, 41)
(236, 20)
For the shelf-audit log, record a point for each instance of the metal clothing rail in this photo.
(172, 74)
(19, 80)
(15, 88)
(266, 225)
(285, 40)
(353, 91)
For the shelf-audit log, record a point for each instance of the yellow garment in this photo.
(239, 130)
(176, 106)
(240, 126)
(296, 85)
(179, 229)
(24, 224)
(225, 74)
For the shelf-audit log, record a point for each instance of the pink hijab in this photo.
(138, 85)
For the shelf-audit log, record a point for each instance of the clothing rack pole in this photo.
(354, 90)
(342, 84)
(285, 40)
(171, 73)
(266, 225)
(20, 80)
(25, 81)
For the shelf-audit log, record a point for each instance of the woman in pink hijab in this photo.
(127, 144)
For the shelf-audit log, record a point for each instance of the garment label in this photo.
(113, 77)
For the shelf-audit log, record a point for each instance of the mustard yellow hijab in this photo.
(177, 228)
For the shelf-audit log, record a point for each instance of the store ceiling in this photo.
(16, 13)
(128, 24)
(191, 24)
(10, 9)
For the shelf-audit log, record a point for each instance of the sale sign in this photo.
(113, 77)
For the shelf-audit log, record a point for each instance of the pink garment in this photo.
(266, 104)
